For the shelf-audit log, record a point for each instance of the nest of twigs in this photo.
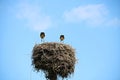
(55, 59)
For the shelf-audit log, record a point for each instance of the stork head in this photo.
(42, 35)
(62, 37)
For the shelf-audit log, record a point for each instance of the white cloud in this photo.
(92, 15)
(33, 16)
(113, 22)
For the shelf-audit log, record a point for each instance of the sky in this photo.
(91, 27)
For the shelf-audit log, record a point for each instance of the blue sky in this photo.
(92, 27)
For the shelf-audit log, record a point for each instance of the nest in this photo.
(55, 59)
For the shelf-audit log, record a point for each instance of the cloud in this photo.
(92, 15)
(33, 16)
(113, 22)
